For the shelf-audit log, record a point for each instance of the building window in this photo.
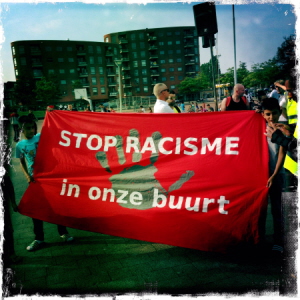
(161, 43)
(63, 81)
(98, 49)
(135, 63)
(172, 87)
(142, 45)
(141, 35)
(90, 49)
(171, 69)
(115, 51)
(163, 70)
(136, 72)
(71, 59)
(58, 48)
(138, 90)
(50, 71)
(178, 51)
(180, 77)
(102, 80)
(103, 91)
(93, 70)
(91, 59)
(13, 50)
(21, 50)
(179, 69)
(137, 80)
(177, 42)
(144, 71)
(17, 72)
(134, 54)
(101, 72)
(178, 60)
(143, 53)
(195, 41)
(144, 63)
(48, 49)
(162, 52)
(60, 59)
(132, 36)
(170, 42)
(100, 60)
(145, 80)
(133, 45)
(94, 80)
(160, 34)
(170, 51)
(171, 60)
(196, 50)
(177, 32)
(169, 33)
(72, 71)
(69, 48)
(61, 71)
(162, 61)
(172, 78)
(95, 91)
(145, 89)
(164, 79)
(23, 61)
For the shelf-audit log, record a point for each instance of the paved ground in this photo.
(98, 264)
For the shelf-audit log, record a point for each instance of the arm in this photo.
(223, 104)
(279, 165)
(25, 170)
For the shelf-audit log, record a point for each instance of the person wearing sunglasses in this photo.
(161, 92)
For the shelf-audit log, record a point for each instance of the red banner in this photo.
(190, 180)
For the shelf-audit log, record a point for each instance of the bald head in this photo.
(161, 91)
(238, 90)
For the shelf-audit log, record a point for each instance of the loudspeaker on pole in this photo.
(205, 18)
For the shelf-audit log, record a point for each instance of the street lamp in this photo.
(118, 63)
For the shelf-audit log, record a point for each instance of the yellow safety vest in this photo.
(289, 163)
(291, 111)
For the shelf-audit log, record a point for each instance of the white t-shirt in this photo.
(162, 107)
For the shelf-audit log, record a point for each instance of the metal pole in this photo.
(234, 45)
(213, 71)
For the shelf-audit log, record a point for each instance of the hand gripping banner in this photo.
(189, 180)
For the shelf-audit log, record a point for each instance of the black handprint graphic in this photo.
(138, 178)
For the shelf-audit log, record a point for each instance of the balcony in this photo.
(154, 82)
(188, 45)
(126, 85)
(125, 59)
(112, 83)
(124, 50)
(152, 48)
(123, 41)
(190, 63)
(190, 72)
(37, 64)
(126, 68)
(113, 94)
(152, 38)
(111, 74)
(126, 77)
(188, 35)
(153, 65)
(35, 52)
(154, 74)
(82, 63)
(110, 64)
(109, 53)
(153, 56)
(81, 52)
(83, 74)
(127, 94)
(189, 54)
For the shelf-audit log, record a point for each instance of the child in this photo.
(26, 149)
(271, 112)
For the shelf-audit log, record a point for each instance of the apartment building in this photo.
(146, 57)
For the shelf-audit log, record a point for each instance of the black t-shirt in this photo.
(236, 105)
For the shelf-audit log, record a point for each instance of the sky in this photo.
(260, 28)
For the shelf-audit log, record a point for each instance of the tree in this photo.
(189, 86)
(286, 57)
(242, 72)
(228, 77)
(47, 90)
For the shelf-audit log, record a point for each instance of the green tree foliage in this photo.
(189, 86)
(77, 85)
(286, 57)
(47, 90)
(24, 90)
(228, 77)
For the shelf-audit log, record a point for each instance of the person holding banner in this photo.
(237, 101)
(26, 152)
(271, 112)
(161, 92)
